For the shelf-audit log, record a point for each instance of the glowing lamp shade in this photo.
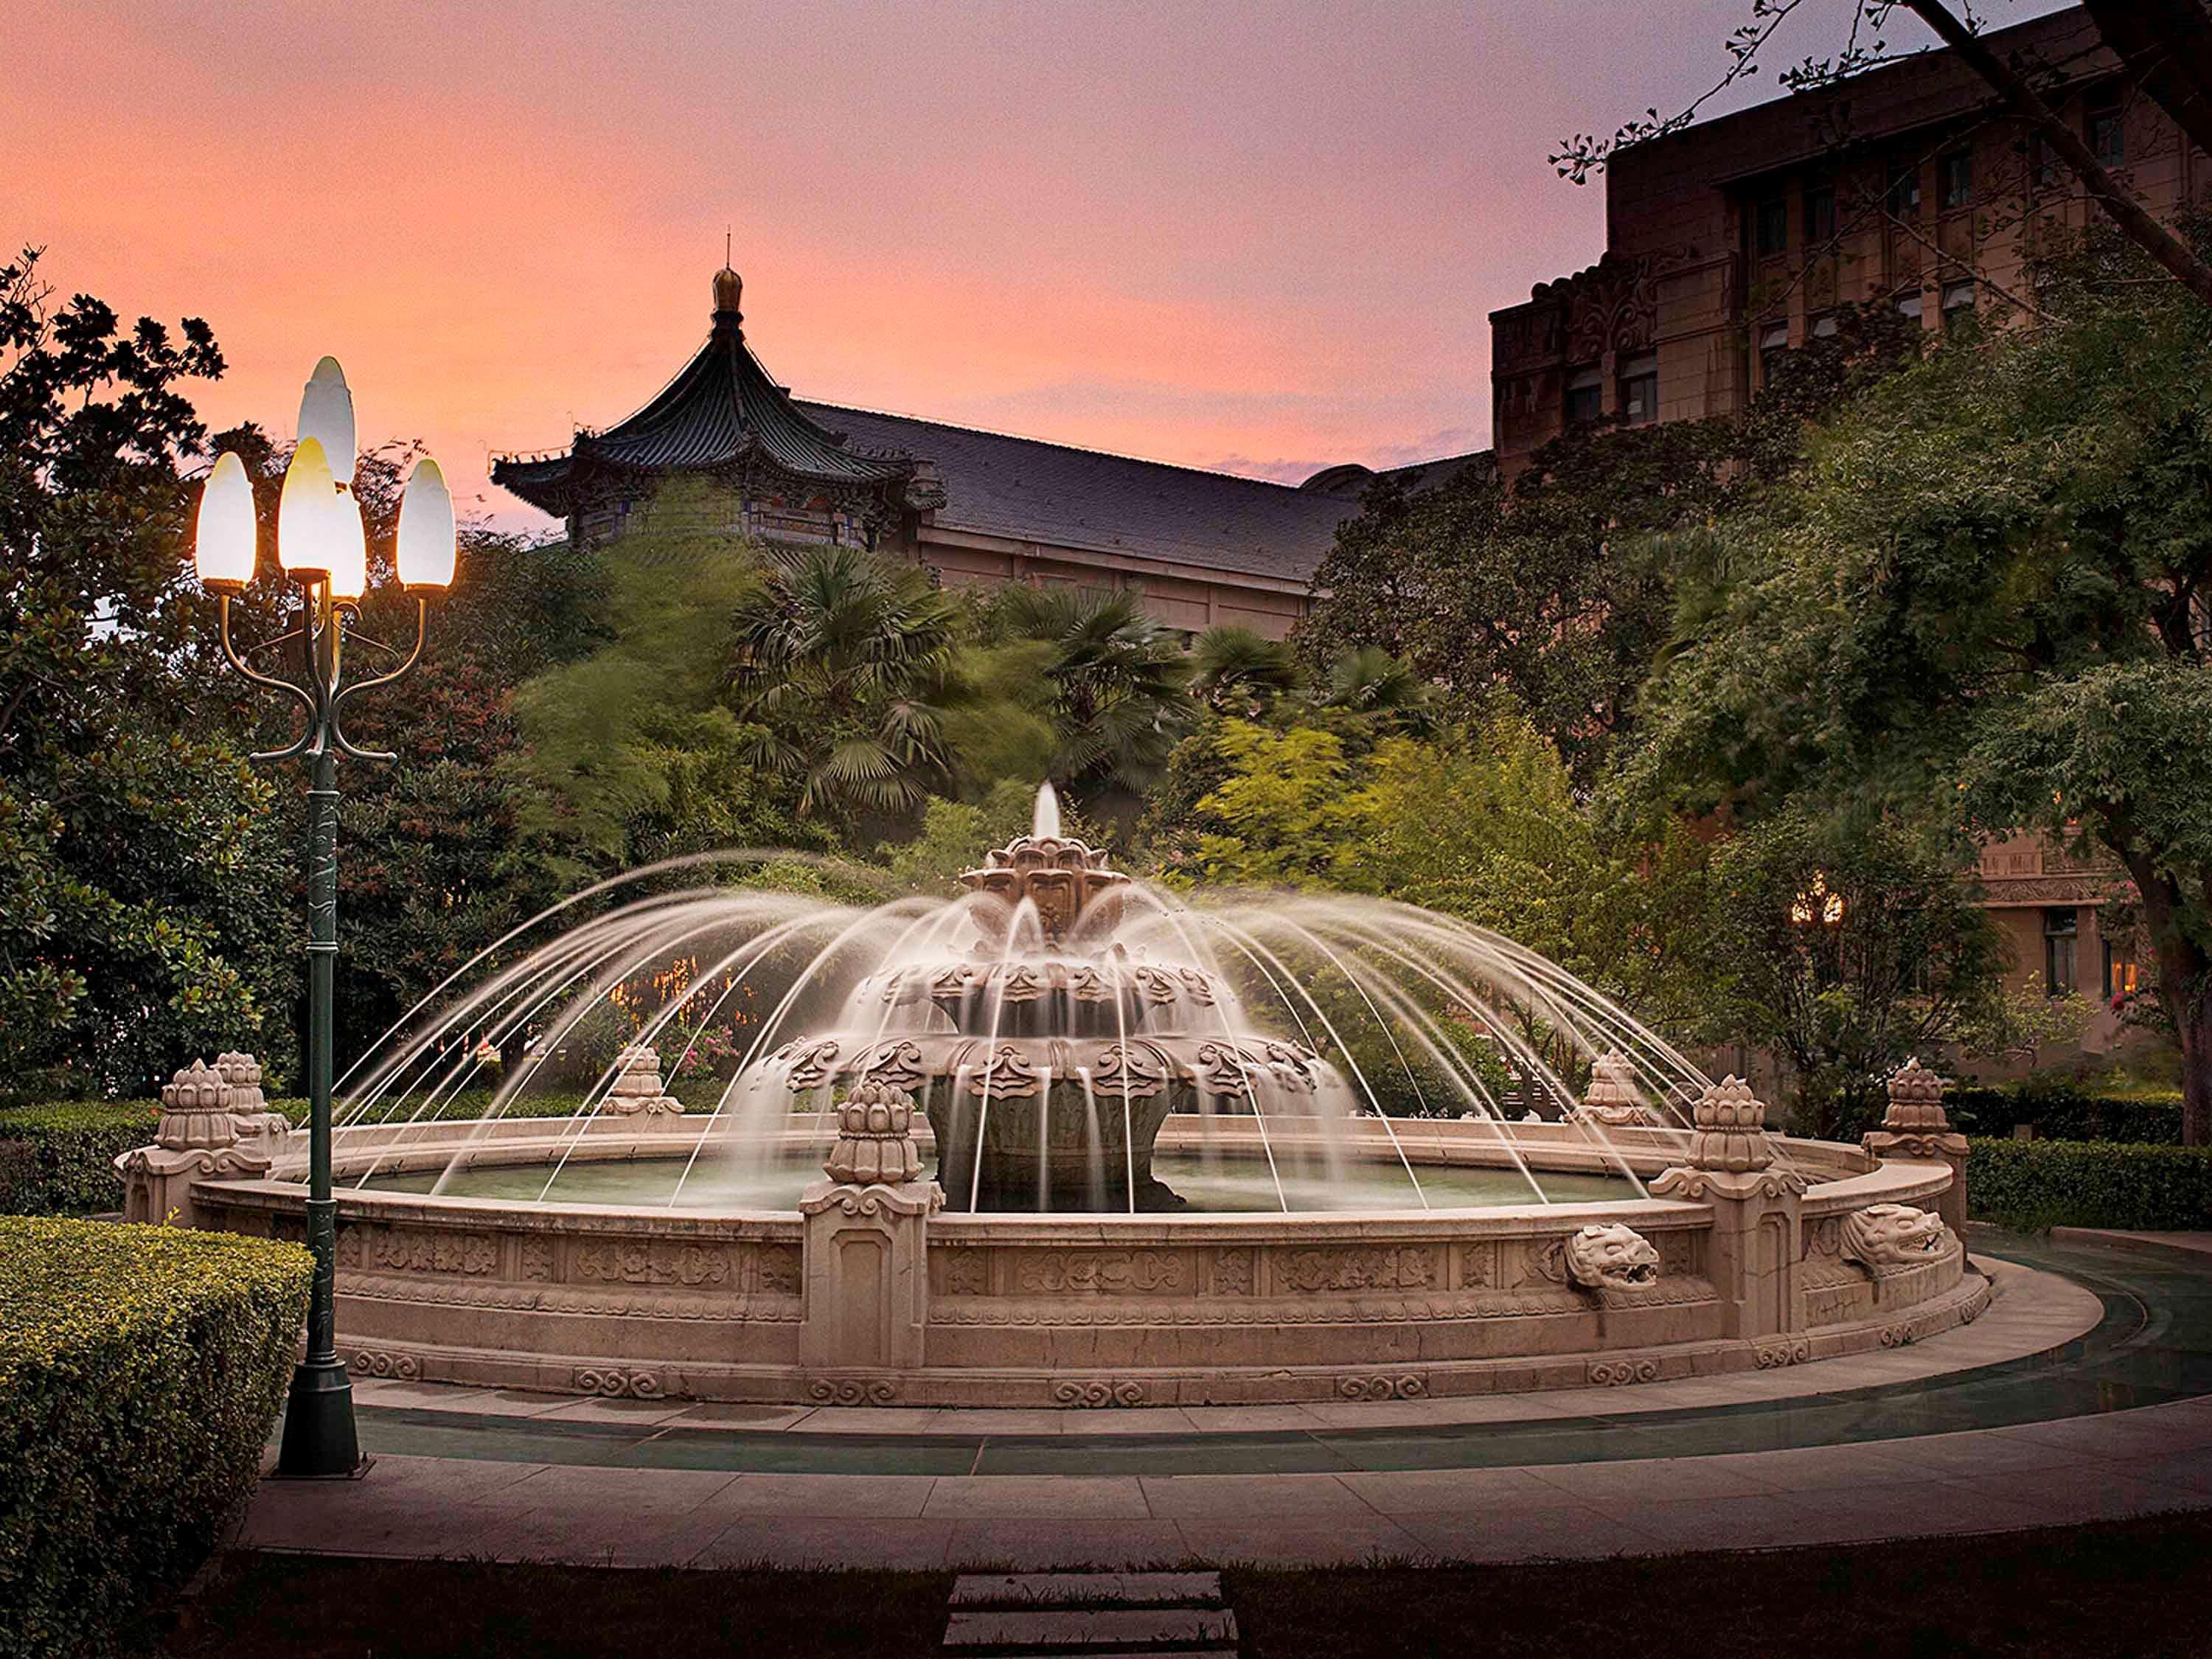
(326, 415)
(310, 513)
(426, 528)
(350, 551)
(223, 544)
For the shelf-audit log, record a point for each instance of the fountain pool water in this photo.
(1096, 1142)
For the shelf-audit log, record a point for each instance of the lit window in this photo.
(1956, 172)
(1770, 223)
(2061, 928)
(2104, 130)
(1819, 213)
(2121, 977)
(1639, 390)
(1585, 396)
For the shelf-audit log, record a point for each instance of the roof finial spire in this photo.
(728, 288)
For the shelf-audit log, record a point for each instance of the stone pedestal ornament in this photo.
(197, 1138)
(1613, 1101)
(1611, 1256)
(866, 1268)
(637, 1087)
(1758, 1205)
(1916, 1127)
(249, 1107)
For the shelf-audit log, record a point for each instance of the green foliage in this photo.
(1985, 586)
(631, 754)
(2063, 1110)
(845, 661)
(141, 902)
(59, 1158)
(955, 836)
(1236, 672)
(2031, 1185)
(1118, 688)
(1848, 947)
(140, 1371)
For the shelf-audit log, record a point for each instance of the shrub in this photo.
(2063, 1112)
(140, 1371)
(2030, 1185)
(59, 1158)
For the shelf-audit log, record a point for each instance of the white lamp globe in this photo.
(326, 415)
(308, 527)
(223, 541)
(349, 545)
(426, 554)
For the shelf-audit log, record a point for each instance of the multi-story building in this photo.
(1737, 239)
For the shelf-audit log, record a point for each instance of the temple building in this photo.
(1204, 549)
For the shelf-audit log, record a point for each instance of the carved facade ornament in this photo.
(1061, 877)
(1613, 1100)
(1071, 1393)
(875, 1138)
(1614, 1373)
(637, 1087)
(810, 1062)
(1611, 1256)
(897, 1065)
(1889, 1237)
(1130, 1071)
(1730, 1153)
(1009, 1076)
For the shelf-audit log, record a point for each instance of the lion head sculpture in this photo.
(1611, 1256)
(1891, 1236)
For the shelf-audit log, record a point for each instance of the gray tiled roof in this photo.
(1030, 490)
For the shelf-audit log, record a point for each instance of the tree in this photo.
(1990, 588)
(142, 913)
(1847, 947)
(1118, 698)
(1237, 671)
(2165, 47)
(844, 662)
(631, 753)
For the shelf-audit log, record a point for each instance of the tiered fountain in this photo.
(1232, 1149)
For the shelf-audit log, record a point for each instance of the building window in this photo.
(1824, 326)
(1958, 302)
(1639, 390)
(2104, 128)
(1770, 227)
(2043, 164)
(1585, 396)
(2060, 935)
(1820, 213)
(1773, 344)
(1910, 303)
(1956, 173)
(2121, 977)
(1904, 195)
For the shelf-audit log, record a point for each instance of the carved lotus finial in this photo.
(196, 1111)
(1613, 1100)
(1730, 1129)
(1916, 1099)
(637, 1086)
(875, 1138)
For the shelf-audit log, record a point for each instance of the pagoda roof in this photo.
(722, 413)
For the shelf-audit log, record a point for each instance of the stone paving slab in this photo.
(1065, 1589)
(1093, 1628)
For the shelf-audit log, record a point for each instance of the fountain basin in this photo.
(1112, 1309)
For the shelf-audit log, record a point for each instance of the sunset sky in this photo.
(1257, 237)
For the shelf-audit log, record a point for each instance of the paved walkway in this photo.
(2075, 1398)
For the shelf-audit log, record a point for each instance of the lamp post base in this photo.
(320, 1442)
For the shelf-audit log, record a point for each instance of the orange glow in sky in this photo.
(1263, 237)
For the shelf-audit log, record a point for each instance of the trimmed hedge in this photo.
(141, 1369)
(2031, 1185)
(2063, 1113)
(60, 1159)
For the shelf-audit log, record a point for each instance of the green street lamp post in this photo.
(322, 546)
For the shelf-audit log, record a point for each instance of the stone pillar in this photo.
(1757, 1207)
(637, 1086)
(198, 1138)
(866, 1271)
(1916, 1127)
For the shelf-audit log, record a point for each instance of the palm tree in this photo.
(844, 659)
(1119, 692)
(1240, 673)
(1371, 681)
